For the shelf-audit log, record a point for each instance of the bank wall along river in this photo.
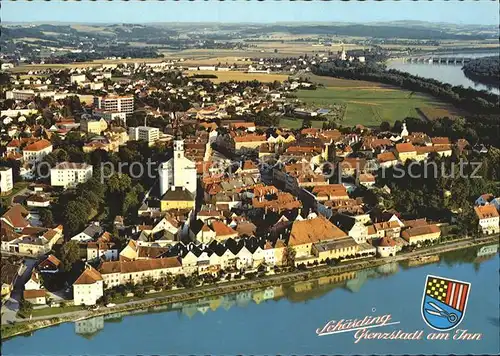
(447, 73)
(284, 319)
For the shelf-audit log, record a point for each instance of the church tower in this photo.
(178, 148)
(178, 172)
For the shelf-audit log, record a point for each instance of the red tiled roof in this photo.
(35, 293)
(386, 157)
(405, 147)
(89, 276)
(486, 211)
(314, 230)
(15, 216)
(222, 229)
(38, 145)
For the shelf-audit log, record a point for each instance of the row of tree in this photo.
(471, 100)
(485, 70)
(441, 191)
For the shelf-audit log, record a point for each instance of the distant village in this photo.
(233, 195)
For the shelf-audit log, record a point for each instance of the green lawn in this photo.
(17, 188)
(371, 106)
(57, 310)
(293, 123)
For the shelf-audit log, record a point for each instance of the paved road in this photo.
(279, 278)
(11, 306)
(21, 192)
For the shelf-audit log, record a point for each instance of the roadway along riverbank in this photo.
(237, 286)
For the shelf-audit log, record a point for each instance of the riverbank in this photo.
(9, 331)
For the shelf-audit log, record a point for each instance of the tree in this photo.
(385, 126)
(75, 215)
(46, 217)
(289, 256)
(306, 123)
(70, 253)
(25, 307)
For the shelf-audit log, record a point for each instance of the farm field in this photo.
(239, 76)
(370, 106)
(294, 123)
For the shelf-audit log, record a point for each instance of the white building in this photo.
(77, 78)
(6, 181)
(144, 133)
(37, 151)
(178, 171)
(96, 85)
(111, 116)
(17, 94)
(489, 220)
(88, 288)
(115, 103)
(107, 251)
(121, 272)
(387, 247)
(17, 112)
(68, 174)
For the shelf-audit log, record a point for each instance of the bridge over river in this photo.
(450, 60)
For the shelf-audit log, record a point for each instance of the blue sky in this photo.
(466, 12)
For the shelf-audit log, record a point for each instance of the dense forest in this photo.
(375, 31)
(485, 70)
(473, 101)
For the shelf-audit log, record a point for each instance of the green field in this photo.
(370, 106)
(293, 123)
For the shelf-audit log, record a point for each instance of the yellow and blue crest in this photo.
(444, 302)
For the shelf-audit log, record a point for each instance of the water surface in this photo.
(447, 73)
(284, 319)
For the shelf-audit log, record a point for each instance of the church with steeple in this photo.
(178, 174)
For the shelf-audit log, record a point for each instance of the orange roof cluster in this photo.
(249, 165)
(366, 178)
(309, 131)
(386, 157)
(486, 211)
(16, 215)
(353, 163)
(222, 229)
(386, 225)
(89, 276)
(314, 230)
(387, 242)
(303, 149)
(419, 231)
(371, 142)
(405, 147)
(139, 265)
(333, 191)
(241, 125)
(248, 137)
(35, 293)
(262, 190)
(283, 201)
(440, 141)
(38, 146)
(331, 134)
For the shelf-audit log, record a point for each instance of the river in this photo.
(284, 319)
(447, 73)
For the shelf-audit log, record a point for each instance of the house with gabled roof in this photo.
(91, 232)
(36, 151)
(488, 219)
(88, 287)
(50, 265)
(16, 217)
